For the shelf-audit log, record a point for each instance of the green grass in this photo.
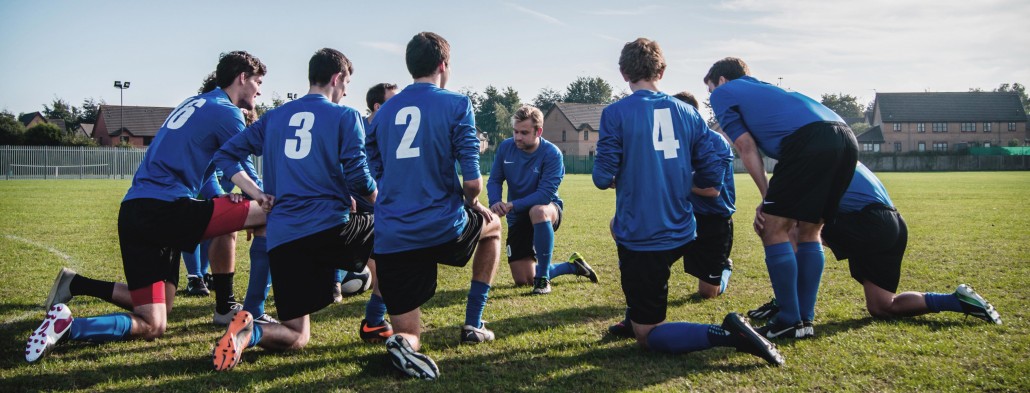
(964, 228)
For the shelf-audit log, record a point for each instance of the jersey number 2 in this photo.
(300, 147)
(411, 116)
(664, 135)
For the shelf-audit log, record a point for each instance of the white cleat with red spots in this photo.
(57, 322)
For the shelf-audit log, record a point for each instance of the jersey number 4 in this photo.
(300, 147)
(664, 135)
(412, 117)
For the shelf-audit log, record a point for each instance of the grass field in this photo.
(964, 228)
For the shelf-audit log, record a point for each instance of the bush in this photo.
(1014, 142)
(11, 130)
(43, 134)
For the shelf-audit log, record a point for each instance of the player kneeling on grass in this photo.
(654, 148)
(159, 217)
(870, 233)
(533, 168)
(314, 160)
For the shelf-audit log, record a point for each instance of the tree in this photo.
(44, 134)
(546, 98)
(587, 90)
(1018, 89)
(11, 130)
(476, 98)
(845, 105)
(494, 114)
(90, 110)
(60, 109)
(277, 101)
(860, 127)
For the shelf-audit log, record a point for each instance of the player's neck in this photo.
(434, 79)
(325, 90)
(643, 85)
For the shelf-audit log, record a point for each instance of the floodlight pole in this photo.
(121, 101)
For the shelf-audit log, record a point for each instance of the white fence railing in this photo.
(67, 162)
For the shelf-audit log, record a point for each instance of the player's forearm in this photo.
(472, 189)
(246, 184)
(756, 168)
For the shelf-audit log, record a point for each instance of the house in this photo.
(946, 121)
(871, 140)
(140, 127)
(31, 119)
(573, 127)
(84, 129)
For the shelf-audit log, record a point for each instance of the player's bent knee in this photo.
(541, 213)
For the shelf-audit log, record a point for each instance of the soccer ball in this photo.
(356, 283)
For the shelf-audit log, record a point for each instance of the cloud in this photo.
(389, 47)
(536, 14)
(647, 9)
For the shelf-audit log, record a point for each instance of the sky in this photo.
(75, 50)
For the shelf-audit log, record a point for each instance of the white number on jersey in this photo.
(664, 135)
(404, 149)
(300, 147)
(183, 113)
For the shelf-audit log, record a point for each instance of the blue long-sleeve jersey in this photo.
(415, 139)
(768, 113)
(533, 178)
(654, 147)
(314, 161)
(865, 189)
(724, 204)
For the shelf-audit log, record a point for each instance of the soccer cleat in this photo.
(61, 291)
(774, 331)
(375, 334)
(975, 305)
(582, 267)
(195, 286)
(412, 363)
(765, 311)
(622, 329)
(230, 347)
(749, 340)
(56, 323)
(541, 286)
(337, 293)
(474, 335)
(224, 319)
(265, 319)
(809, 329)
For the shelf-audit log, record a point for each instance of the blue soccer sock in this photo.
(811, 261)
(105, 328)
(783, 273)
(478, 293)
(340, 274)
(375, 310)
(543, 242)
(205, 262)
(679, 337)
(561, 269)
(719, 337)
(192, 262)
(255, 337)
(725, 281)
(938, 302)
(260, 277)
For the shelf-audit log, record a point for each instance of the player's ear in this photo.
(539, 131)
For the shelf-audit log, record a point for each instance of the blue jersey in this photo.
(415, 139)
(314, 161)
(654, 147)
(765, 111)
(865, 189)
(533, 178)
(219, 184)
(722, 205)
(363, 204)
(177, 162)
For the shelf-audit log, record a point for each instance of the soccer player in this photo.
(870, 233)
(707, 257)
(533, 168)
(653, 149)
(158, 216)
(314, 162)
(817, 153)
(426, 215)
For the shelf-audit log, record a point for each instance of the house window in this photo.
(563, 135)
(968, 127)
(940, 127)
(586, 135)
(987, 143)
(123, 139)
(1012, 126)
(897, 146)
(987, 127)
(897, 127)
(147, 140)
(940, 146)
(873, 147)
(921, 127)
(922, 146)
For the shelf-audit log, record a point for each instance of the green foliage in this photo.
(860, 127)
(546, 98)
(60, 109)
(1014, 142)
(493, 115)
(11, 130)
(845, 105)
(589, 90)
(79, 140)
(1018, 89)
(90, 110)
(44, 134)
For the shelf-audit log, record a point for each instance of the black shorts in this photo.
(152, 233)
(816, 165)
(873, 241)
(304, 270)
(707, 256)
(407, 279)
(520, 236)
(645, 282)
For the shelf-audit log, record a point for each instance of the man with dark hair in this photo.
(533, 168)
(314, 162)
(158, 217)
(652, 142)
(377, 95)
(426, 215)
(817, 153)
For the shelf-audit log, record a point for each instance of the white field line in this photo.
(35, 313)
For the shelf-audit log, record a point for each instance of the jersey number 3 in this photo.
(300, 147)
(411, 116)
(664, 135)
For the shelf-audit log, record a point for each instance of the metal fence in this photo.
(66, 162)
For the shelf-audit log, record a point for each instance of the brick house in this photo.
(945, 121)
(29, 120)
(141, 124)
(573, 127)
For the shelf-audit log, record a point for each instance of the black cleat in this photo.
(750, 341)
